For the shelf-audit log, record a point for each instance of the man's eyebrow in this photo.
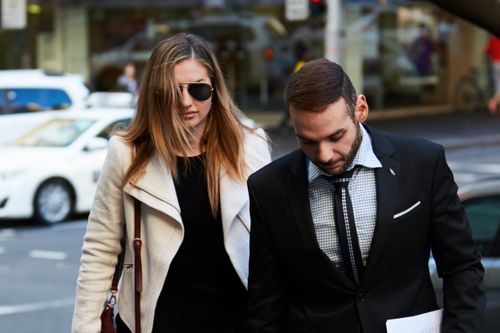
(337, 132)
(302, 137)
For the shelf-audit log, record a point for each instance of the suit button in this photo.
(361, 297)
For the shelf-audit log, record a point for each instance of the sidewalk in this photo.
(452, 130)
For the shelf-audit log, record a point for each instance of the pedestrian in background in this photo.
(186, 157)
(343, 228)
(301, 55)
(128, 80)
(422, 50)
(493, 52)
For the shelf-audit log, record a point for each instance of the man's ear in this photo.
(361, 108)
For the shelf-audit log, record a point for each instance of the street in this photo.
(38, 270)
(39, 264)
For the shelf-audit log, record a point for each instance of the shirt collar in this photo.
(365, 157)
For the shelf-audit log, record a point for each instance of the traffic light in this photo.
(317, 7)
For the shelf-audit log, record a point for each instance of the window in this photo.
(484, 218)
(55, 133)
(112, 128)
(32, 99)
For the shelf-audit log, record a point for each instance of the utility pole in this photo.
(334, 39)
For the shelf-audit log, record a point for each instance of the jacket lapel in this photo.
(233, 197)
(156, 188)
(298, 199)
(387, 179)
(234, 193)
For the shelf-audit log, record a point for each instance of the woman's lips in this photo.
(189, 115)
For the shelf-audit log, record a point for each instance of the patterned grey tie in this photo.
(346, 228)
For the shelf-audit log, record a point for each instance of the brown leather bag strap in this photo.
(118, 269)
(137, 264)
(137, 268)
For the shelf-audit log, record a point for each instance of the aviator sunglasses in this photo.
(199, 91)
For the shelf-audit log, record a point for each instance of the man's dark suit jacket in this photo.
(293, 287)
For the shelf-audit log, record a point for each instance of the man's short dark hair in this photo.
(318, 84)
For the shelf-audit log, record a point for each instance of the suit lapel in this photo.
(387, 179)
(298, 199)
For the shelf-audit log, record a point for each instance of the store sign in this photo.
(13, 14)
(296, 10)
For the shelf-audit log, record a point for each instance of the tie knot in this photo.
(341, 179)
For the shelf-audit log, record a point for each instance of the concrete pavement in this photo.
(452, 130)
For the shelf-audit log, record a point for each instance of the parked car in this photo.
(482, 205)
(51, 172)
(28, 90)
(243, 43)
(14, 125)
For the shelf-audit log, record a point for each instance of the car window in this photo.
(33, 99)
(110, 129)
(55, 133)
(484, 218)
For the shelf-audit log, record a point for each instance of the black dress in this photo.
(202, 292)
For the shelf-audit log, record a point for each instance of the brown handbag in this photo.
(107, 315)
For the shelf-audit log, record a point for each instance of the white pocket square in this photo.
(406, 211)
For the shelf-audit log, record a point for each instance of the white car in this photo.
(51, 172)
(28, 90)
(14, 125)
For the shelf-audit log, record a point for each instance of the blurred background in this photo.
(399, 53)
(421, 64)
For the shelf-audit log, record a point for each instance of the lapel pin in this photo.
(392, 172)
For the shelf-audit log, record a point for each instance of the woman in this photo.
(186, 157)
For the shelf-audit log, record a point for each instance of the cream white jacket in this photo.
(161, 232)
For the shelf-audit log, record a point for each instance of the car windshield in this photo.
(55, 133)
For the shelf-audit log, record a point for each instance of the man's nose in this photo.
(325, 153)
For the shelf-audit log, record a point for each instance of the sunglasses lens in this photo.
(200, 91)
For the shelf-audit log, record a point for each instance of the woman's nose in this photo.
(186, 99)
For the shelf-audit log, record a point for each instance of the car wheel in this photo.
(53, 201)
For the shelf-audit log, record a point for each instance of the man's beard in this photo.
(354, 147)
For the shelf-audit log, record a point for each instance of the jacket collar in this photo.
(156, 188)
(387, 181)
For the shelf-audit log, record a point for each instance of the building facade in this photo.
(399, 53)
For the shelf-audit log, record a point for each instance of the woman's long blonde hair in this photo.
(158, 126)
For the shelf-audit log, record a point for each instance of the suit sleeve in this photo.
(266, 284)
(457, 258)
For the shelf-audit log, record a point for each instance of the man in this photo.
(493, 52)
(318, 266)
(127, 81)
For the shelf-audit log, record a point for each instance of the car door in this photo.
(483, 213)
(484, 217)
(90, 161)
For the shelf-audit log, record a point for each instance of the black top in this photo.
(202, 292)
